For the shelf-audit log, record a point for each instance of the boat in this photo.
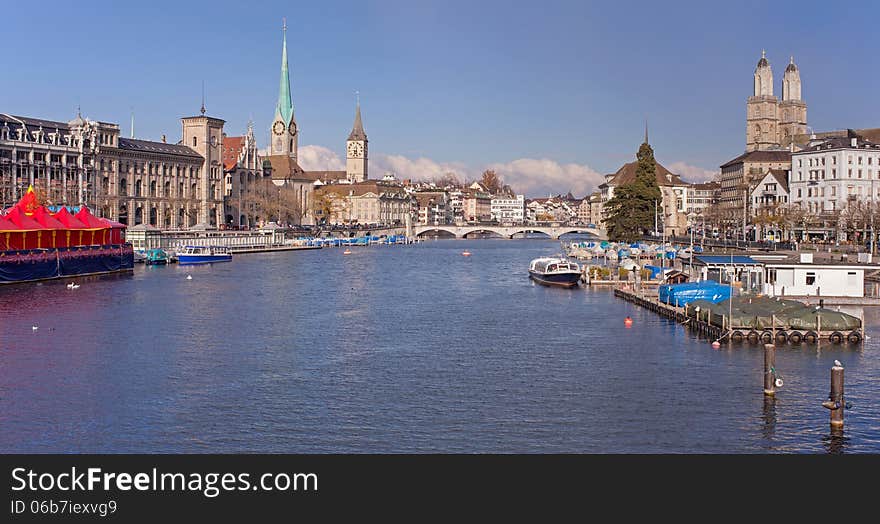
(553, 271)
(203, 255)
(156, 257)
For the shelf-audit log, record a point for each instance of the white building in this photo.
(506, 209)
(833, 172)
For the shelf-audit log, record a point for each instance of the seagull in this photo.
(189, 277)
(34, 328)
(838, 364)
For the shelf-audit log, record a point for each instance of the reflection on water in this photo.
(397, 349)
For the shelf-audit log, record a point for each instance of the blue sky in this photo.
(552, 93)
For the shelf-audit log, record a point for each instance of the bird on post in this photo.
(838, 364)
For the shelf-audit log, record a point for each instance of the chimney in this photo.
(163, 139)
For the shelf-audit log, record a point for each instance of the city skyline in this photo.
(552, 111)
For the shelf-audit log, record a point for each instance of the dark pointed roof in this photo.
(763, 61)
(791, 67)
(357, 131)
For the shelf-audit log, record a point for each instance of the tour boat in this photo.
(203, 255)
(552, 271)
(156, 257)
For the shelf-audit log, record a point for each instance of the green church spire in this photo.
(285, 104)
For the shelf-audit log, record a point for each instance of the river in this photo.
(397, 349)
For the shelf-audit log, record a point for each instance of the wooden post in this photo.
(836, 403)
(769, 369)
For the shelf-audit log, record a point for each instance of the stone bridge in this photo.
(509, 231)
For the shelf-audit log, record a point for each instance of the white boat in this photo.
(203, 255)
(553, 271)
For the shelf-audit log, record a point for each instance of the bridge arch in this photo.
(425, 230)
(492, 231)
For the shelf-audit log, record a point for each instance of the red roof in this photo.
(86, 217)
(46, 220)
(64, 216)
(9, 225)
(17, 217)
(231, 151)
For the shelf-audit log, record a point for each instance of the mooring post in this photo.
(835, 402)
(769, 369)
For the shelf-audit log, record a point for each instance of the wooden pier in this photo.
(777, 335)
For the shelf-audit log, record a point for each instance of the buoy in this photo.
(189, 277)
(465, 253)
(779, 383)
(628, 322)
(716, 345)
(346, 252)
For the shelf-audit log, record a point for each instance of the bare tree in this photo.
(491, 181)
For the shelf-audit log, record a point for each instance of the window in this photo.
(800, 162)
(195, 141)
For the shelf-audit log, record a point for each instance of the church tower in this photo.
(762, 118)
(283, 130)
(356, 150)
(792, 109)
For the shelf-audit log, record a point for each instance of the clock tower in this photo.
(356, 150)
(284, 133)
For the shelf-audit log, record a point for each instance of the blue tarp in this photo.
(682, 294)
(655, 270)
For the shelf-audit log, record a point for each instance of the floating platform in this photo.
(778, 335)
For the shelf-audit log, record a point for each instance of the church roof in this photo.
(775, 155)
(627, 174)
(791, 66)
(285, 168)
(232, 146)
(325, 175)
(357, 131)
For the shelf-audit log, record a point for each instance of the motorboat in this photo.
(156, 257)
(554, 271)
(203, 255)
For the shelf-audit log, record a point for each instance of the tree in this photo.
(491, 181)
(630, 213)
(448, 179)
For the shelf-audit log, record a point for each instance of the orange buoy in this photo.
(465, 253)
(716, 345)
(628, 322)
(346, 252)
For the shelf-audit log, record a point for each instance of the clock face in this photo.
(291, 129)
(355, 149)
(278, 128)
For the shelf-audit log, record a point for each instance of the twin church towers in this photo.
(285, 134)
(771, 123)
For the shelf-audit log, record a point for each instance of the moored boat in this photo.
(553, 271)
(156, 257)
(203, 255)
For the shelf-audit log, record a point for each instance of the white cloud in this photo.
(315, 158)
(418, 169)
(544, 177)
(530, 176)
(690, 173)
(319, 158)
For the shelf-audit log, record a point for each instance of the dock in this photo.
(778, 335)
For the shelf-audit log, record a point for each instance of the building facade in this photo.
(837, 182)
(247, 185)
(739, 176)
(507, 209)
(86, 162)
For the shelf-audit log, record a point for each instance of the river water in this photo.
(397, 349)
